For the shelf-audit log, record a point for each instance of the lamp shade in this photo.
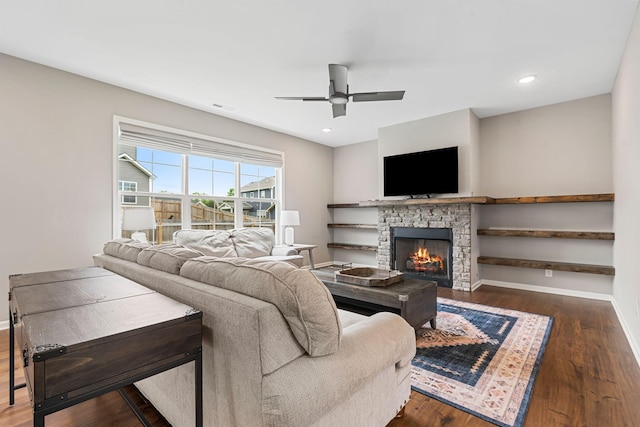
(138, 218)
(290, 218)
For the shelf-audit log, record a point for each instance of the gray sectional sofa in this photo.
(276, 350)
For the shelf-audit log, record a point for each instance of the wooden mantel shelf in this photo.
(480, 200)
(548, 265)
(476, 200)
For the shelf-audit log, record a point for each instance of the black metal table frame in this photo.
(55, 404)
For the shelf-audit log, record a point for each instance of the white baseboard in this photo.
(476, 285)
(4, 325)
(632, 342)
(635, 348)
(547, 290)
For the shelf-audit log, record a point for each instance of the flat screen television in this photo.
(422, 173)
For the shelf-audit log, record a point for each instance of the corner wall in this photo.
(626, 179)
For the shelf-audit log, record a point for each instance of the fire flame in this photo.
(423, 261)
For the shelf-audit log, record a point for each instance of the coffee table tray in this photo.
(367, 276)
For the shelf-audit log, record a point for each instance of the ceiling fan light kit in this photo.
(339, 92)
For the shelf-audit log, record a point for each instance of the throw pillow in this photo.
(210, 242)
(253, 242)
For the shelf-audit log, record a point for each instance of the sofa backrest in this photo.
(305, 303)
(240, 242)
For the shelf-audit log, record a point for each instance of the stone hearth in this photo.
(454, 216)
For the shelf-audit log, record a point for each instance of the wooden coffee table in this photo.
(413, 299)
(88, 331)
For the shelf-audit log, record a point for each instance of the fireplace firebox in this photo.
(423, 253)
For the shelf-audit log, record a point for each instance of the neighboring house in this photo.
(263, 189)
(132, 176)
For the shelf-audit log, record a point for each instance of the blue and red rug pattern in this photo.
(481, 359)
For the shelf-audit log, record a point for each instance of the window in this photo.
(128, 186)
(196, 182)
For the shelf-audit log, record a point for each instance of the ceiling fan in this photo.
(339, 92)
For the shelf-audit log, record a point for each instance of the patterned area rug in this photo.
(481, 359)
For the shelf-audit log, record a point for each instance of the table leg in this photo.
(311, 259)
(38, 420)
(198, 369)
(11, 360)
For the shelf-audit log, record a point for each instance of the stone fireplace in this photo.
(444, 224)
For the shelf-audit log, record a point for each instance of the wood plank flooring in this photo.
(588, 376)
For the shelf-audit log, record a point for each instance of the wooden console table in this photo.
(414, 300)
(85, 332)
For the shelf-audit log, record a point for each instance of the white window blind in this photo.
(156, 139)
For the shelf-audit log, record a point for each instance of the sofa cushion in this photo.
(209, 242)
(302, 299)
(253, 242)
(167, 258)
(127, 249)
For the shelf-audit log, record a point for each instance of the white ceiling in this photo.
(447, 54)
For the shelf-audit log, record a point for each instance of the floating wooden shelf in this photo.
(605, 197)
(477, 200)
(364, 226)
(549, 265)
(344, 205)
(371, 248)
(593, 235)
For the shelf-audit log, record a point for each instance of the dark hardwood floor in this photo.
(588, 376)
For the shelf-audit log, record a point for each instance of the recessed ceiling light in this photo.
(527, 79)
(326, 130)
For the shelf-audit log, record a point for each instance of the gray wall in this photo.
(554, 150)
(57, 170)
(626, 178)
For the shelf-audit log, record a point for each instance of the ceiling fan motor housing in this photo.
(338, 98)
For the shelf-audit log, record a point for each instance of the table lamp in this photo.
(289, 218)
(136, 219)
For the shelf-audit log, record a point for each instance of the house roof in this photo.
(447, 56)
(134, 162)
(264, 183)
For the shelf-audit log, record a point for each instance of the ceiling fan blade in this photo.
(339, 110)
(301, 98)
(338, 75)
(378, 96)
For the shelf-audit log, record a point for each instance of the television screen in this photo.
(422, 173)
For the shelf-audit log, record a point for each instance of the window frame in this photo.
(185, 197)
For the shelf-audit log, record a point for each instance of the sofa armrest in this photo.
(382, 342)
(283, 250)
